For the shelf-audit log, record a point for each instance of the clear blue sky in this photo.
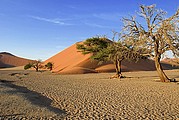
(38, 29)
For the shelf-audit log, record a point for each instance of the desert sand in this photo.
(42, 95)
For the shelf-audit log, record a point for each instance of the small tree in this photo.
(35, 64)
(29, 65)
(157, 34)
(103, 49)
(49, 65)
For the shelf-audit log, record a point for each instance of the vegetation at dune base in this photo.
(151, 37)
(156, 33)
(103, 49)
(29, 65)
(35, 64)
(49, 66)
(147, 34)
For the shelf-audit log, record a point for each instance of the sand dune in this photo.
(67, 60)
(13, 68)
(8, 60)
(70, 61)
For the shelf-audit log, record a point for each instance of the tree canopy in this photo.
(49, 65)
(35, 64)
(103, 49)
(156, 33)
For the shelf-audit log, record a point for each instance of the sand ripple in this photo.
(92, 96)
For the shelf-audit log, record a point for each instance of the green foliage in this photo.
(35, 64)
(29, 65)
(93, 45)
(103, 49)
(96, 46)
(49, 65)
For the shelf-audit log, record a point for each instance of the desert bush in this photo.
(49, 65)
(29, 65)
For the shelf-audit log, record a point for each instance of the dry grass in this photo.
(34, 95)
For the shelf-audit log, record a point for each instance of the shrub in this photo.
(27, 66)
(49, 65)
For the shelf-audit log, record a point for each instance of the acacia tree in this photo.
(27, 66)
(35, 64)
(157, 34)
(49, 66)
(103, 49)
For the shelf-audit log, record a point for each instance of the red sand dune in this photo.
(70, 61)
(8, 60)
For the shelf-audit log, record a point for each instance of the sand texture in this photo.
(41, 95)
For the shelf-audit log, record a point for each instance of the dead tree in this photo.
(157, 34)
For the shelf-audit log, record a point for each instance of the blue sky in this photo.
(38, 29)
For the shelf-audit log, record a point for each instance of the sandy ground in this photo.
(35, 95)
(12, 68)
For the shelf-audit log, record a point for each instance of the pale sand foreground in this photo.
(31, 95)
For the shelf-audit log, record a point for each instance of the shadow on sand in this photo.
(32, 96)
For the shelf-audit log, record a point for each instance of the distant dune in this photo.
(172, 61)
(8, 60)
(70, 61)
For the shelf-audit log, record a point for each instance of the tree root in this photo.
(117, 76)
(173, 80)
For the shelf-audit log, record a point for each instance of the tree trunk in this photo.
(36, 68)
(50, 68)
(162, 75)
(118, 69)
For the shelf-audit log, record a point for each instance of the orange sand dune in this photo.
(70, 61)
(8, 60)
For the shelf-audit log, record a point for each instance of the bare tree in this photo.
(157, 34)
